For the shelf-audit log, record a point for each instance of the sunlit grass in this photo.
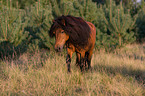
(121, 73)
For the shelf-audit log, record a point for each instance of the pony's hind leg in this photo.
(89, 57)
(68, 61)
(82, 61)
(86, 60)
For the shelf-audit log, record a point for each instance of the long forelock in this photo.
(54, 27)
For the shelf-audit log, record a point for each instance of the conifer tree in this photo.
(81, 8)
(140, 24)
(21, 4)
(119, 26)
(12, 24)
(62, 7)
(12, 30)
(86, 9)
(40, 19)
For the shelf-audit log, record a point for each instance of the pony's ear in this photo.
(63, 22)
(53, 20)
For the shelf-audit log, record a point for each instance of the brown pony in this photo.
(78, 35)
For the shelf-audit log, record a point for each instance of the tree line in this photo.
(24, 24)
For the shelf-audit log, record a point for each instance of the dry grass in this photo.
(113, 74)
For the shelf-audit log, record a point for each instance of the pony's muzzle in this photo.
(58, 48)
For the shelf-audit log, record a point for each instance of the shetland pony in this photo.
(78, 35)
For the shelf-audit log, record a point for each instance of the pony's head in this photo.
(60, 39)
(60, 35)
(69, 28)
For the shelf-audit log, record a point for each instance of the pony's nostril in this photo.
(59, 48)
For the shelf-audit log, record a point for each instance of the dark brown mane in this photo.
(77, 29)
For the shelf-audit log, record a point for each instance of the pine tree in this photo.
(12, 24)
(40, 20)
(62, 7)
(80, 8)
(86, 9)
(21, 4)
(140, 24)
(119, 26)
(12, 30)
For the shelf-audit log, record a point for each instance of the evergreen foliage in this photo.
(118, 27)
(30, 21)
(12, 25)
(63, 7)
(18, 3)
(40, 19)
(81, 8)
(12, 33)
(140, 24)
(86, 9)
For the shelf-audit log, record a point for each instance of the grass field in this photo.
(121, 73)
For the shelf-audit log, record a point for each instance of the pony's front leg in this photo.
(68, 59)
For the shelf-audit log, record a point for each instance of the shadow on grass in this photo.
(8, 51)
(139, 75)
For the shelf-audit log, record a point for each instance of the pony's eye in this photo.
(62, 32)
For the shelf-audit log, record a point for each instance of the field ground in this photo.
(121, 73)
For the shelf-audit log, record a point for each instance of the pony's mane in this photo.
(77, 29)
